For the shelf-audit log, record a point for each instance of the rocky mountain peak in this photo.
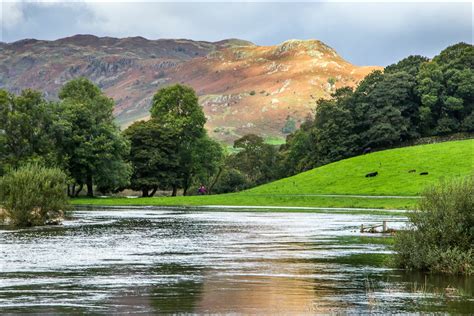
(311, 47)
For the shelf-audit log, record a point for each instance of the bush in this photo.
(232, 180)
(33, 195)
(441, 233)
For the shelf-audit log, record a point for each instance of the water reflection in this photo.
(165, 261)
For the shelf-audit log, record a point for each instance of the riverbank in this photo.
(241, 199)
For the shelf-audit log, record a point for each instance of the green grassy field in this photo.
(345, 177)
(442, 160)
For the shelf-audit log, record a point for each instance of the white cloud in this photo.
(11, 14)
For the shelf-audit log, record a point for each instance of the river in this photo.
(152, 260)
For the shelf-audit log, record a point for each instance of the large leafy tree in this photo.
(176, 108)
(446, 91)
(89, 140)
(25, 129)
(153, 155)
(378, 104)
(401, 82)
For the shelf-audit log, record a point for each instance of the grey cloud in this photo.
(363, 33)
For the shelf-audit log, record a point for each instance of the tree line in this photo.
(78, 134)
(413, 98)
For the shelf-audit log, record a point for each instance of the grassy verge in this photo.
(442, 161)
(252, 200)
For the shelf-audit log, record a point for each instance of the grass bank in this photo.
(441, 161)
(346, 177)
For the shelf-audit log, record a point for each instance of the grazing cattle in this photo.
(367, 150)
(412, 170)
(423, 173)
(372, 174)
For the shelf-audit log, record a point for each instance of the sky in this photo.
(364, 33)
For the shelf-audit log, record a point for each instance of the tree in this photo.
(295, 155)
(379, 104)
(153, 155)
(88, 138)
(25, 129)
(290, 125)
(207, 163)
(401, 81)
(333, 134)
(255, 159)
(177, 108)
(446, 91)
(232, 180)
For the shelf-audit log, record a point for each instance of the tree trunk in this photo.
(90, 189)
(185, 190)
(78, 190)
(216, 178)
(144, 192)
(153, 191)
(175, 190)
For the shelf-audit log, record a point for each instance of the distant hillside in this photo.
(442, 161)
(244, 88)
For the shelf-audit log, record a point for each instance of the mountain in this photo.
(243, 88)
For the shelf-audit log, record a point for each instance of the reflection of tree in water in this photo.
(180, 296)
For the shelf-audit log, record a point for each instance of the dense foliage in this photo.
(413, 98)
(254, 163)
(89, 142)
(441, 236)
(172, 149)
(77, 134)
(33, 195)
(153, 156)
(25, 129)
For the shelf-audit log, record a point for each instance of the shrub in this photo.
(33, 195)
(441, 233)
(232, 180)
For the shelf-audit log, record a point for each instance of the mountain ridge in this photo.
(243, 87)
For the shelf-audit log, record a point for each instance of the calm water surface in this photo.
(175, 261)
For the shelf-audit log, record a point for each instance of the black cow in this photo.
(367, 150)
(423, 173)
(372, 174)
(412, 171)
